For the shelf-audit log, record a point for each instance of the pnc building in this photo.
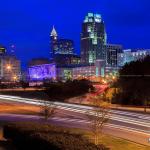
(62, 50)
(60, 46)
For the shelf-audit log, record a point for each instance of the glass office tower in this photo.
(93, 39)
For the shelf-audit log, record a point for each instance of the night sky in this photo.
(27, 23)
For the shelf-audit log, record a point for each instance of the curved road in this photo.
(128, 125)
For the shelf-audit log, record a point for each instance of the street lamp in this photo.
(15, 78)
(113, 77)
(8, 67)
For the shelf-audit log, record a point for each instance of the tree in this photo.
(134, 83)
(47, 109)
(98, 117)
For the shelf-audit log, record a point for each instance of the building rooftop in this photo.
(54, 33)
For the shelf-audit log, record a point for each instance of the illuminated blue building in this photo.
(41, 72)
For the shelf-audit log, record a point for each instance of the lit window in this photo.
(90, 20)
(89, 29)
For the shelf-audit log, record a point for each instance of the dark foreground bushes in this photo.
(55, 90)
(34, 136)
(62, 91)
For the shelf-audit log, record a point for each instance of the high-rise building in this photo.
(93, 39)
(66, 59)
(62, 50)
(112, 51)
(60, 46)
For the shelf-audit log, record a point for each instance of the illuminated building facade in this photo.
(9, 68)
(131, 55)
(84, 72)
(100, 65)
(60, 46)
(93, 39)
(112, 51)
(81, 71)
(63, 46)
(66, 59)
(111, 70)
(75, 72)
(42, 72)
(62, 50)
(2, 50)
(64, 73)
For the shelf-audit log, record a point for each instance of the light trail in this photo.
(141, 120)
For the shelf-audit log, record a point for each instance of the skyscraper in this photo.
(62, 50)
(93, 39)
(112, 51)
(60, 46)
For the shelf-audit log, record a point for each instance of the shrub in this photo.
(46, 137)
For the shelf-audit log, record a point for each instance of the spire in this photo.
(53, 33)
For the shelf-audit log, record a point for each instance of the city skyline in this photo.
(75, 75)
(122, 24)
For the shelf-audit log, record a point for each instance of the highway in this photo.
(128, 125)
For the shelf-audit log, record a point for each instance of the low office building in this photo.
(9, 68)
(131, 55)
(64, 73)
(81, 71)
(42, 72)
(72, 72)
(2, 50)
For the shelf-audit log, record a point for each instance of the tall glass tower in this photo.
(93, 39)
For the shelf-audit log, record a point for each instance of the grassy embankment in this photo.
(110, 142)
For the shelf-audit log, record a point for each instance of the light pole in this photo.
(9, 71)
(8, 67)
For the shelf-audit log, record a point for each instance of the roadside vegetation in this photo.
(45, 137)
(62, 91)
(27, 135)
(98, 117)
(133, 84)
(59, 91)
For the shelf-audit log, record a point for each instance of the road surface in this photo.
(128, 125)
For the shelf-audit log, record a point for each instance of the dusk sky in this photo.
(27, 23)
